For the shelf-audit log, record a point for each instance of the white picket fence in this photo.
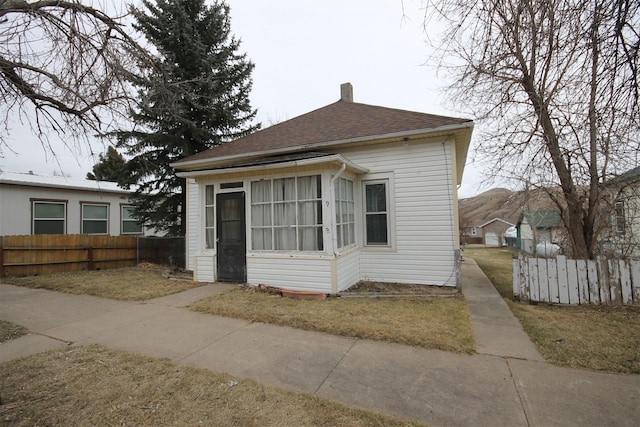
(569, 281)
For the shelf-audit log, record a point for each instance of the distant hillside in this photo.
(500, 203)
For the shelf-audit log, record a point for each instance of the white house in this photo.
(344, 193)
(621, 237)
(34, 204)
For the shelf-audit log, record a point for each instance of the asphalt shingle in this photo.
(340, 121)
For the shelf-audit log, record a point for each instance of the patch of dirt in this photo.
(271, 290)
(167, 271)
(393, 289)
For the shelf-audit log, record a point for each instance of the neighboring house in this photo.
(34, 204)
(621, 238)
(494, 231)
(539, 226)
(347, 192)
(471, 233)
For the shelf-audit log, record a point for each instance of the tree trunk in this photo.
(573, 218)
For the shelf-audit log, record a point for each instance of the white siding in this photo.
(291, 272)
(203, 268)
(422, 200)
(348, 269)
(193, 228)
(422, 229)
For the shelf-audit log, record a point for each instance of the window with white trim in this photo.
(376, 213)
(49, 217)
(345, 213)
(619, 218)
(286, 214)
(129, 223)
(95, 219)
(209, 217)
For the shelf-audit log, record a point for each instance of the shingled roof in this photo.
(340, 122)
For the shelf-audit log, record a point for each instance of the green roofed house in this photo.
(344, 193)
(539, 226)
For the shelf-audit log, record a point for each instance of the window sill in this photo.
(289, 255)
(380, 248)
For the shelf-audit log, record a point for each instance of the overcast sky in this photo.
(303, 50)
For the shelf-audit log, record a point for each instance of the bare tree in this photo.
(63, 69)
(555, 85)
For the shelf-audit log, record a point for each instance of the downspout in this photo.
(334, 237)
(333, 193)
(340, 172)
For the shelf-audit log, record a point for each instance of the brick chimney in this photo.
(346, 92)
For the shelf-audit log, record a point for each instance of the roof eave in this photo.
(496, 219)
(208, 162)
(61, 186)
(336, 159)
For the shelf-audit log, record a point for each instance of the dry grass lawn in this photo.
(430, 322)
(97, 386)
(605, 338)
(601, 338)
(9, 331)
(131, 284)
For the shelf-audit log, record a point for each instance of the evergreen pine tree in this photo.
(109, 168)
(196, 97)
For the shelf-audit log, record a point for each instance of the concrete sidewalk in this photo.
(497, 331)
(439, 388)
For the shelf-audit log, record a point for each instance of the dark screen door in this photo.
(231, 240)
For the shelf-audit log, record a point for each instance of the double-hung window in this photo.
(130, 224)
(345, 212)
(286, 214)
(376, 213)
(95, 219)
(49, 217)
(619, 217)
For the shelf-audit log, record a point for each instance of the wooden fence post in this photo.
(593, 289)
(603, 280)
(635, 280)
(525, 292)
(543, 280)
(573, 282)
(515, 271)
(552, 280)
(534, 283)
(625, 281)
(563, 283)
(614, 282)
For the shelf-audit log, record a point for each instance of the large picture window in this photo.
(209, 216)
(376, 214)
(345, 213)
(286, 214)
(49, 217)
(95, 219)
(130, 224)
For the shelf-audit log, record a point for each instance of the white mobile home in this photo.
(34, 204)
(345, 193)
